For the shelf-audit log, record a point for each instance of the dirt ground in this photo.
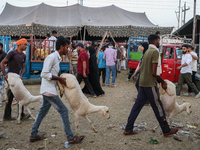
(109, 137)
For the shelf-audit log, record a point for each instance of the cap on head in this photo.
(110, 44)
(79, 44)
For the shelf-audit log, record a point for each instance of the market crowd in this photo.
(86, 67)
(104, 63)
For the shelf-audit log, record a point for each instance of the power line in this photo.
(121, 3)
(126, 5)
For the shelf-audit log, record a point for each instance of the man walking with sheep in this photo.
(50, 77)
(149, 91)
(15, 60)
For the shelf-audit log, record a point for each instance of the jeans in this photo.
(56, 102)
(108, 69)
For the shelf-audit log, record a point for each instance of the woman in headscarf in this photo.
(144, 48)
(93, 76)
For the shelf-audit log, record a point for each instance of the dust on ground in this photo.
(109, 137)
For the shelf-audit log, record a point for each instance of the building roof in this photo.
(187, 29)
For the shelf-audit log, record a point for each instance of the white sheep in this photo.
(79, 101)
(21, 93)
(171, 107)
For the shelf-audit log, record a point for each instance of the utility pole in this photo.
(194, 24)
(81, 2)
(184, 12)
(179, 13)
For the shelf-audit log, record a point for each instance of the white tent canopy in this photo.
(75, 15)
(72, 17)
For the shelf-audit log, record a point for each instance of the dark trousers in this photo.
(137, 82)
(7, 112)
(137, 86)
(193, 80)
(103, 71)
(188, 79)
(80, 77)
(131, 73)
(151, 94)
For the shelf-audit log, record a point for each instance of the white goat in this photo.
(79, 101)
(21, 93)
(171, 107)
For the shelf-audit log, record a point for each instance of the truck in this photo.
(170, 52)
(6, 41)
(134, 54)
(172, 55)
(35, 56)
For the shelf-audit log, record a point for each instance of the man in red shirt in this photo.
(83, 68)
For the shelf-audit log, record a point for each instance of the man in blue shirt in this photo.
(101, 65)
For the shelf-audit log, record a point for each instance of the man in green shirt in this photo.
(148, 89)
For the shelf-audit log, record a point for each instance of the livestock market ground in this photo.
(109, 137)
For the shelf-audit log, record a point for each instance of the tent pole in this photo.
(114, 41)
(103, 38)
(84, 35)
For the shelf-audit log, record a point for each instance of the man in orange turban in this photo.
(16, 60)
(22, 42)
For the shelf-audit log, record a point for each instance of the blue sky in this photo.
(159, 12)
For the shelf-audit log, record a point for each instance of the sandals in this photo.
(129, 133)
(113, 85)
(172, 131)
(76, 139)
(9, 119)
(25, 117)
(37, 138)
